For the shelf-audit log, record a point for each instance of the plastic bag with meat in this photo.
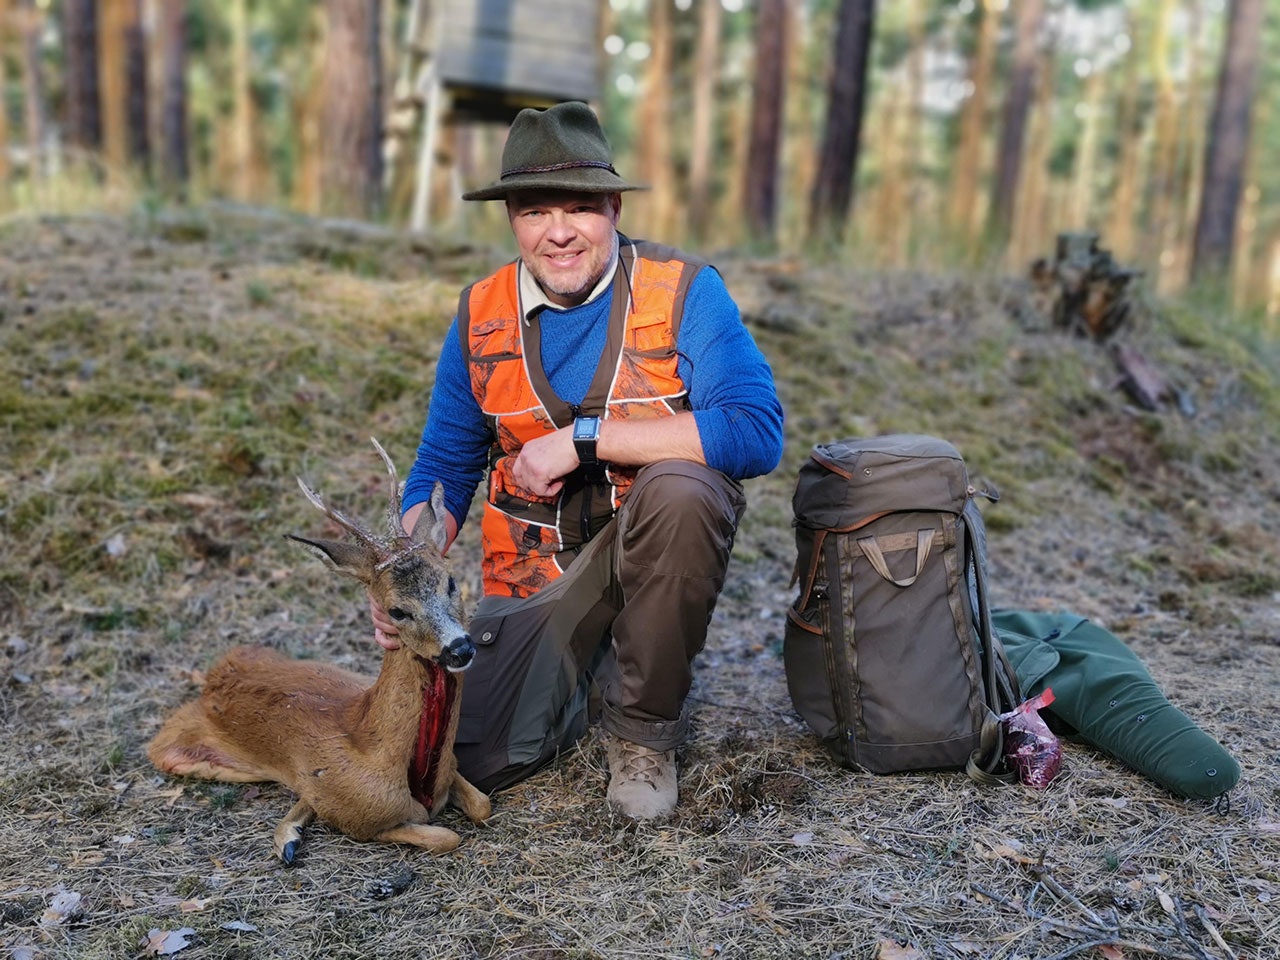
(1030, 747)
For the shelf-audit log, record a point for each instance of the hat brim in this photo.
(572, 180)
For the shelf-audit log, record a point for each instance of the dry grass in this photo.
(163, 382)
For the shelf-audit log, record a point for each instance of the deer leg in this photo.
(433, 839)
(288, 833)
(469, 799)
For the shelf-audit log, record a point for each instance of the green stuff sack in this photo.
(1106, 696)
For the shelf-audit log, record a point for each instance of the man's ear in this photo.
(615, 200)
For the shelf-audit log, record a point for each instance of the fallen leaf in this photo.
(1166, 901)
(23, 953)
(1266, 826)
(162, 943)
(115, 545)
(64, 906)
(800, 839)
(239, 925)
(1111, 951)
(170, 795)
(893, 950)
(1118, 802)
(191, 906)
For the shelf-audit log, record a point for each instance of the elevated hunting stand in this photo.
(485, 60)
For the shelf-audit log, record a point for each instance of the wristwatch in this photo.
(586, 432)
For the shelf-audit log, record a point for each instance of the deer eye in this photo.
(396, 613)
(453, 586)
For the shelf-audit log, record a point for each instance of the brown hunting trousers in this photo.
(629, 616)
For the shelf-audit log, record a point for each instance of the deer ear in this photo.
(430, 527)
(349, 558)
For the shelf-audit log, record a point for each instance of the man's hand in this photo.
(544, 462)
(384, 628)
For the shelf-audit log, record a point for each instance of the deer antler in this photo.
(360, 533)
(394, 526)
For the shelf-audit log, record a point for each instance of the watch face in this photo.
(586, 428)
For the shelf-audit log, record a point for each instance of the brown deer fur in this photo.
(344, 746)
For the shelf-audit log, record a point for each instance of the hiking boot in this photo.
(642, 781)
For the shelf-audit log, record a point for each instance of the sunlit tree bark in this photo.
(1228, 142)
(113, 70)
(306, 107)
(832, 197)
(654, 125)
(1036, 214)
(967, 164)
(351, 130)
(30, 23)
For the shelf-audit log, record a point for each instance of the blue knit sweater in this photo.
(730, 389)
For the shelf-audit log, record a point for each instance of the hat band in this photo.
(550, 168)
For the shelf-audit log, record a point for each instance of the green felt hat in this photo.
(560, 148)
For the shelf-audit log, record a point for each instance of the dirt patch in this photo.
(165, 380)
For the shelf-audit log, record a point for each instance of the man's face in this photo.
(567, 240)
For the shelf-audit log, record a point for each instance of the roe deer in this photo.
(374, 761)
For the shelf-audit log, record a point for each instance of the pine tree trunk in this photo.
(6, 19)
(1082, 175)
(351, 131)
(1163, 155)
(1017, 106)
(654, 125)
(973, 122)
(113, 65)
(760, 190)
(832, 196)
(33, 87)
(84, 116)
(307, 107)
(175, 163)
(1129, 123)
(1228, 142)
(1191, 168)
(137, 111)
(914, 138)
(705, 75)
(1035, 215)
(243, 186)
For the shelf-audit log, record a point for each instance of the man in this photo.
(616, 398)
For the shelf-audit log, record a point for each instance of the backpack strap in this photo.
(998, 677)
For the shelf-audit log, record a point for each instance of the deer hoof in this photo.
(289, 851)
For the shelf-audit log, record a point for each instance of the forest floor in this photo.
(165, 379)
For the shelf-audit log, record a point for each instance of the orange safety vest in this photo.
(529, 540)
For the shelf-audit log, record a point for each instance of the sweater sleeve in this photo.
(730, 384)
(455, 440)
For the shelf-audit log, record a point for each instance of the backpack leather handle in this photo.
(871, 550)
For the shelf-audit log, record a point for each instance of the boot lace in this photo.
(639, 762)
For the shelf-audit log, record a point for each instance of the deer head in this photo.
(407, 575)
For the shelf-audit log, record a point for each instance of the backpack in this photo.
(888, 649)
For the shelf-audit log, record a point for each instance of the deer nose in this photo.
(457, 653)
